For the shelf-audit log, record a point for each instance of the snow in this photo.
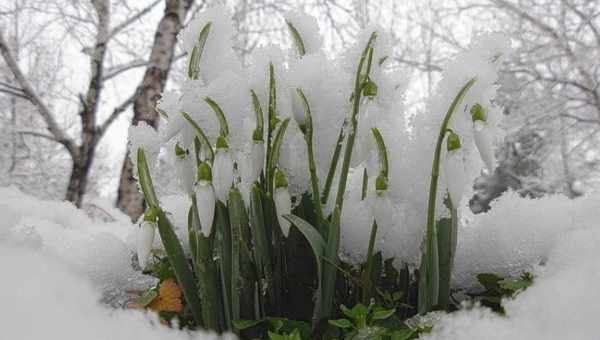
(62, 269)
(44, 299)
(562, 303)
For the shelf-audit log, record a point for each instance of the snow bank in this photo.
(44, 299)
(563, 302)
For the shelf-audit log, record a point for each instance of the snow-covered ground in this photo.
(58, 264)
(60, 268)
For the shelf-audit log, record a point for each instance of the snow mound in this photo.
(44, 299)
(562, 303)
(94, 249)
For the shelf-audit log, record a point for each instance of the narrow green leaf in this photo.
(381, 151)
(245, 324)
(223, 236)
(296, 38)
(341, 323)
(224, 127)
(200, 133)
(258, 112)
(312, 236)
(275, 149)
(145, 180)
(206, 272)
(312, 166)
(236, 218)
(261, 247)
(196, 54)
(383, 314)
(146, 298)
(180, 266)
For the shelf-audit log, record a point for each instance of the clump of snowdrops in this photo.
(267, 151)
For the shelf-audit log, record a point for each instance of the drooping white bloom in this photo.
(283, 201)
(205, 202)
(258, 159)
(483, 141)
(145, 238)
(455, 172)
(283, 204)
(222, 173)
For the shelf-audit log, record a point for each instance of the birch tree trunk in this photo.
(148, 92)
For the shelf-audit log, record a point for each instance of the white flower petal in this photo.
(222, 174)
(283, 205)
(484, 144)
(145, 238)
(205, 201)
(454, 169)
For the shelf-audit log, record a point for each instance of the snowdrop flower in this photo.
(184, 168)
(205, 199)
(145, 238)
(223, 170)
(483, 139)
(283, 201)
(381, 205)
(454, 168)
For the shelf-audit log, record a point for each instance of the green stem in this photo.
(314, 180)
(368, 275)
(333, 238)
(334, 162)
(429, 273)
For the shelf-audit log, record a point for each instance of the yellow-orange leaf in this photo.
(169, 298)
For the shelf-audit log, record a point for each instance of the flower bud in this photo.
(222, 173)
(205, 203)
(484, 144)
(454, 168)
(283, 201)
(478, 113)
(452, 141)
(381, 184)
(370, 89)
(180, 152)
(145, 238)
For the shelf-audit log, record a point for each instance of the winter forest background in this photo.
(75, 74)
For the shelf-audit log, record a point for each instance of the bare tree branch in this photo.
(131, 20)
(100, 131)
(32, 96)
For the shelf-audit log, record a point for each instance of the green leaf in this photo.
(245, 324)
(224, 127)
(196, 54)
(297, 38)
(236, 219)
(200, 133)
(145, 180)
(259, 116)
(489, 281)
(515, 285)
(382, 152)
(383, 314)
(274, 157)
(313, 237)
(146, 298)
(180, 266)
(341, 323)
(445, 251)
